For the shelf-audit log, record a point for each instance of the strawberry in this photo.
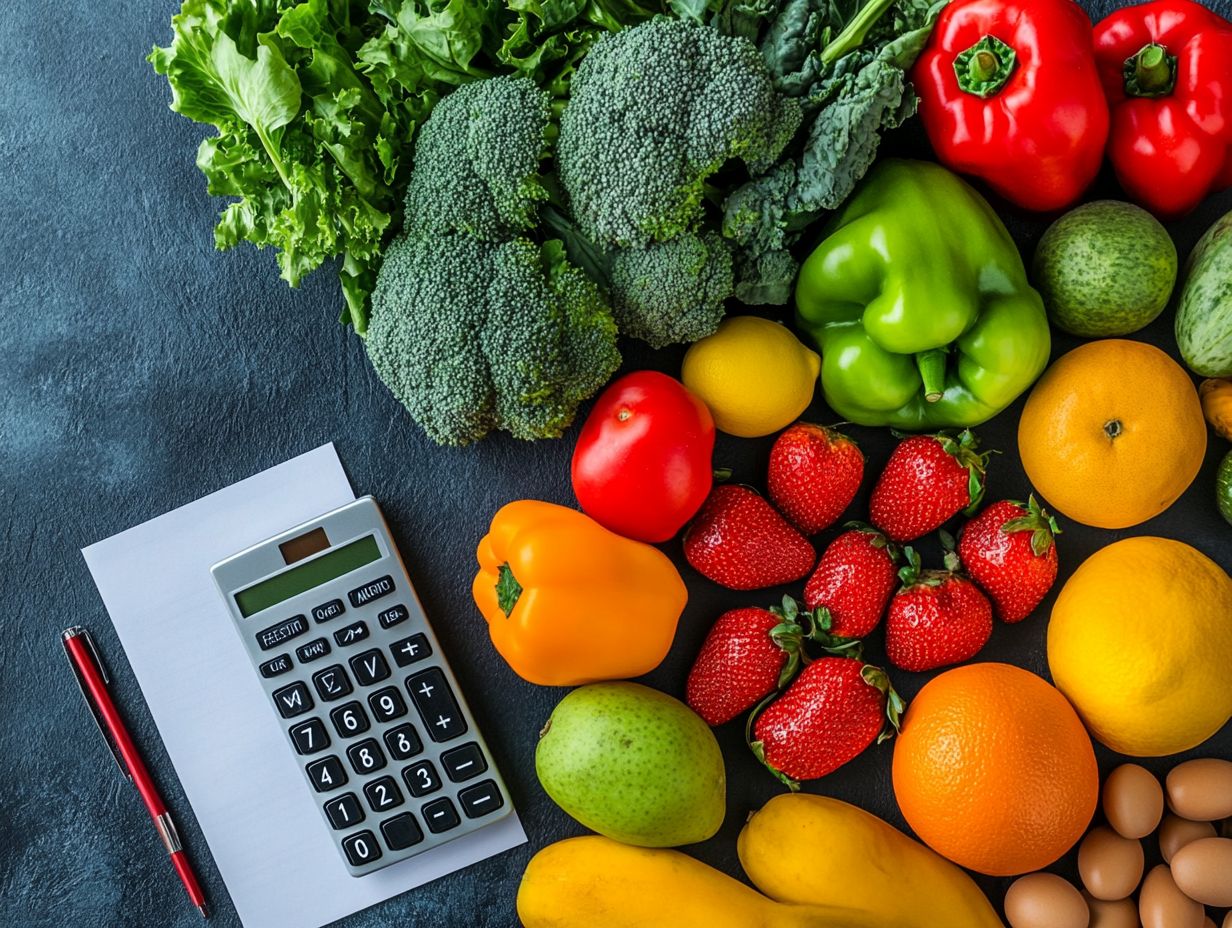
(814, 475)
(926, 481)
(1010, 550)
(937, 617)
(748, 654)
(835, 709)
(853, 581)
(739, 541)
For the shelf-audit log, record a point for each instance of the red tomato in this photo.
(642, 463)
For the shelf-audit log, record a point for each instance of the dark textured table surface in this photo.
(141, 370)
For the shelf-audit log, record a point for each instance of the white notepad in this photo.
(266, 834)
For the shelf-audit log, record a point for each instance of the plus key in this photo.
(407, 651)
(430, 692)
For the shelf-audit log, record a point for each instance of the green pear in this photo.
(633, 764)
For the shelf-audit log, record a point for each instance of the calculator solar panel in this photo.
(358, 683)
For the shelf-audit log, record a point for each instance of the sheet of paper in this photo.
(266, 833)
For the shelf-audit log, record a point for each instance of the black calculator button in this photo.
(421, 778)
(318, 647)
(401, 832)
(481, 799)
(329, 610)
(361, 848)
(434, 700)
(344, 811)
(280, 664)
(370, 591)
(383, 794)
(403, 742)
(387, 704)
(352, 634)
(284, 631)
(409, 650)
(392, 616)
(349, 720)
(332, 683)
(293, 700)
(310, 736)
(439, 815)
(326, 774)
(369, 667)
(464, 763)
(366, 756)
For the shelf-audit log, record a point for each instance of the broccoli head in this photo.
(473, 336)
(477, 160)
(671, 291)
(654, 110)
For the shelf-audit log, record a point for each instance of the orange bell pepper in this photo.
(568, 602)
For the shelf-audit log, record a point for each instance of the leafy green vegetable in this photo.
(315, 103)
(847, 65)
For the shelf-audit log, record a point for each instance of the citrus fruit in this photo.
(994, 770)
(755, 376)
(1112, 433)
(1105, 268)
(1140, 640)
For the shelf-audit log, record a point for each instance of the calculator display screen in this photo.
(299, 579)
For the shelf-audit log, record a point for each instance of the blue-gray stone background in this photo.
(140, 369)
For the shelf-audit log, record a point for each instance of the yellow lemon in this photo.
(1140, 640)
(755, 376)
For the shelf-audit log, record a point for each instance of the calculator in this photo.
(358, 683)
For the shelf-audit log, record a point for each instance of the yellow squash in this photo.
(594, 882)
(813, 850)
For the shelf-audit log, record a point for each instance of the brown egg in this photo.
(1110, 866)
(1203, 871)
(1176, 832)
(1209, 922)
(1133, 801)
(1201, 789)
(1227, 920)
(1045, 900)
(1120, 914)
(1161, 904)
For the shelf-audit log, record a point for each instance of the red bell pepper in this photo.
(1009, 92)
(1167, 72)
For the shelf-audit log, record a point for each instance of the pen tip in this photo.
(205, 913)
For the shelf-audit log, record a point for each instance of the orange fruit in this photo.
(994, 770)
(1112, 433)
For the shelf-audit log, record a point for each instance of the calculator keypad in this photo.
(346, 662)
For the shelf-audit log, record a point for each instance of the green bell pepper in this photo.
(919, 302)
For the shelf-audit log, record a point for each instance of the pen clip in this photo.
(77, 631)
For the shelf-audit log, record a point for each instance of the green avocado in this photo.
(1105, 268)
(1223, 487)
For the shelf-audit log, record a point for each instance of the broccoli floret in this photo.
(671, 291)
(654, 110)
(472, 328)
(473, 336)
(477, 160)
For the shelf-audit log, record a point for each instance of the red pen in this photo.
(91, 676)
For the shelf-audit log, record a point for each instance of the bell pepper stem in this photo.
(508, 590)
(932, 371)
(984, 68)
(1150, 73)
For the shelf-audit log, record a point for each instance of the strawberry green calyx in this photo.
(911, 574)
(895, 707)
(877, 538)
(951, 560)
(789, 635)
(962, 448)
(508, 590)
(1036, 520)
